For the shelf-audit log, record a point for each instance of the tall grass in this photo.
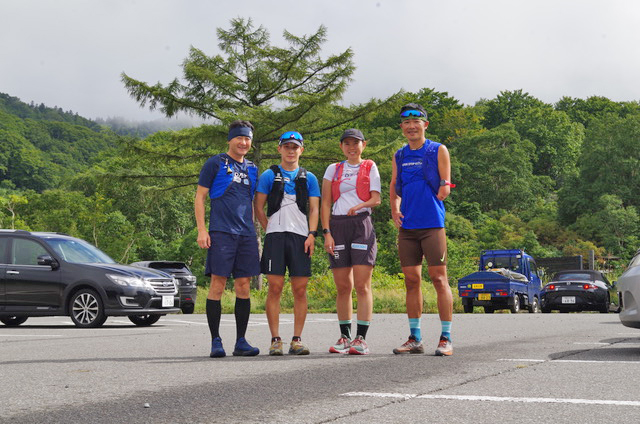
(388, 295)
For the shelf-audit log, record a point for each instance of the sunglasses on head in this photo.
(291, 135)
(412, 113)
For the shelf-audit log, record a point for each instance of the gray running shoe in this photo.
(359, 347)
(276, 348)
(342, 345)
(410, 346)
(445, 348)
(298, 348)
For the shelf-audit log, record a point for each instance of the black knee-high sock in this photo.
(243, 309)
(214, 312)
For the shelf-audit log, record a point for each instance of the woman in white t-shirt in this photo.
(349, 190)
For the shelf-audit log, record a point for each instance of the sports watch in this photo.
(313, 233)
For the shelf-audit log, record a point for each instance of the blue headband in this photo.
(240, 132)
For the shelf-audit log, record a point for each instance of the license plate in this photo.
(568, 299)
(477, 286)
(484, 296)
(167, 301)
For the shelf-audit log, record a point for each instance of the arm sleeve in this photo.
(330, 171)
(209, 171)
(312, 185)
(374, 174)
(265, 182)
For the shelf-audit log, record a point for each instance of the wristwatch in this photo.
(326, 231)
(446, 183)
(313, 233)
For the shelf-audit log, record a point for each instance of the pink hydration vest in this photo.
(363, 181)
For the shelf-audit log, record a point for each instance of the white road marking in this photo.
(30, 335)
(565, 361)
(498, 399)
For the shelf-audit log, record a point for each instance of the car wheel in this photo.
(189, 308)
(489, 310)
(144, 320)
(515, 308)
(86, 309)
(13, 321)
(534, 307)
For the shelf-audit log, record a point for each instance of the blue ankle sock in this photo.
(446, 329)
(414, 327)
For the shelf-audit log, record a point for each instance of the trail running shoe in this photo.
(410, 346)
(243, 348)
(297, 347)
(276, 348)
(358, 347)
(342, 346)
(217, 351)
(445, 348)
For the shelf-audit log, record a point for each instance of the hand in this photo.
(353, 210)
(443, 192)
(329, 244)
(204, 240)
(309, 245)
(397, 218)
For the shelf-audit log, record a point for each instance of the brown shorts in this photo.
(355, 241)
(428, 242)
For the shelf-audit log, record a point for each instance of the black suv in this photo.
(186, 281)
(48, 274)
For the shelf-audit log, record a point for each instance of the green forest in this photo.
(554, 179)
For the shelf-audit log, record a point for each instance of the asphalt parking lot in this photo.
(524, 367)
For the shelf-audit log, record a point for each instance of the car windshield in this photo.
(508, 262)
(78, 251)
(581, 276)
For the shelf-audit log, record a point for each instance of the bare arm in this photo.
(258, 208)
(394, 199)
(444, 168)
(325, 215)
(202, 194)
(314, 212)
(371, 203)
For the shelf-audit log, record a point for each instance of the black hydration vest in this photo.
(275, 196)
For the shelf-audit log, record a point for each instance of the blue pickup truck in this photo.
(506, 279)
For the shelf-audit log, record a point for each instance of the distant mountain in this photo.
(122, 126)
(40, 146)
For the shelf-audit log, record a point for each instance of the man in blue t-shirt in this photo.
(420, 176)
(292, 195)
(229, 180)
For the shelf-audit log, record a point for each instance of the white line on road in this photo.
(565, 361)
(30, 335)
(498, 399)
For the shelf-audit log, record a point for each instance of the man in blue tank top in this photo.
(229, 180)
(421, 171)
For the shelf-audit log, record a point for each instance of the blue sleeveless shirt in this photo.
(231, 188)
(420, 206)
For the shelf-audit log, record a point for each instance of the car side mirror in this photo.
(47, 260)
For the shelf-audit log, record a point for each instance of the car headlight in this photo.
(191, 278)
(124, 280)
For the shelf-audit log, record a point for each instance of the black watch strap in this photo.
(313, 233)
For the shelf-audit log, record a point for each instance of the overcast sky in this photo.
(70, 53)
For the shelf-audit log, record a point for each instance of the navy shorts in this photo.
(355, 241)
(232, 255)
(285, 250)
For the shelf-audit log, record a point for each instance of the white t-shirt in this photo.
(348, 194)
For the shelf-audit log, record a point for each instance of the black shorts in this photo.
(282, 251)
(355, 241)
